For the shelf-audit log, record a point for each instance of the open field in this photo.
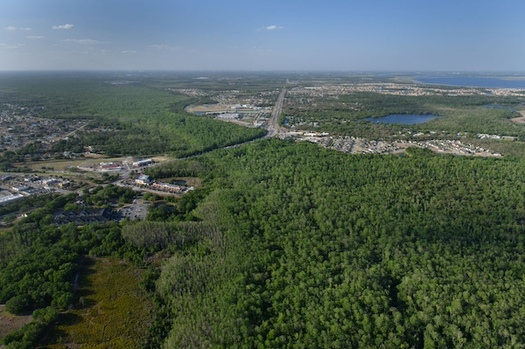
(111, 310)
(61, 165)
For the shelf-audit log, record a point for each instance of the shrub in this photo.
(18, 305)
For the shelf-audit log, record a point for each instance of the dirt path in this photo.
(520, 120)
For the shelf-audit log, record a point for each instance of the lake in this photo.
(474, 81)
(403, 119)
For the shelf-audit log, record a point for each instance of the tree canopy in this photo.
(321, 249)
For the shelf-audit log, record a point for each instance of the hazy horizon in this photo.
(494, 73)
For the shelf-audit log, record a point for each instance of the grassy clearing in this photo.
(111, 310)
(66, 163)
(10, 323)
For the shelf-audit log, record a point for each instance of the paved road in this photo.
(273, 130)
(273, 122)
(272, 127)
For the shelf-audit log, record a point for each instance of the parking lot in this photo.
(136, 211)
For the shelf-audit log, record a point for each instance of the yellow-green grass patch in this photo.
(63, 164)
(111, 310)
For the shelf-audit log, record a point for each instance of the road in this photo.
(272, 127)
(70, 134)
(273, 122)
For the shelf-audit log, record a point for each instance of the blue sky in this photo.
(351, 35)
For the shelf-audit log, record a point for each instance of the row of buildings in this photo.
(85, 216)
(144, 181)
(117, 166)
(14, 188)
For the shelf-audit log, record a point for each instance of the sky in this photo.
(257, 35)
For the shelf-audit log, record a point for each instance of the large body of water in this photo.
(403, 119)
(474, 81)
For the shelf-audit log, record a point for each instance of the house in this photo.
(143, 180)
(228, 116)
(9, 198)
(20, 188)
(142, 162)
(171, 188)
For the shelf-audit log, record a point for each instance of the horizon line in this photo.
(416, 71)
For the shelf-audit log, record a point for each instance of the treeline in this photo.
(161, 235)
(321, 249)
(103, 196)
(190, 168)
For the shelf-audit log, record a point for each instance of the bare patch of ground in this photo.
(520, 120)
(10, 323)
(161, 158)
(209, 108)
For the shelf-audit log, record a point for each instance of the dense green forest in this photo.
(139, 118)
(317, 249)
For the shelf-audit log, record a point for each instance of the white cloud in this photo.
(35, 37)
(11, 47)
(63, 27)
(86, 41)
(12, 29)
(271, 28)
(126, 52)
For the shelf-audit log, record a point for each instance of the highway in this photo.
(273, 122)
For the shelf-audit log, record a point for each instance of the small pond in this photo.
(404, 119)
